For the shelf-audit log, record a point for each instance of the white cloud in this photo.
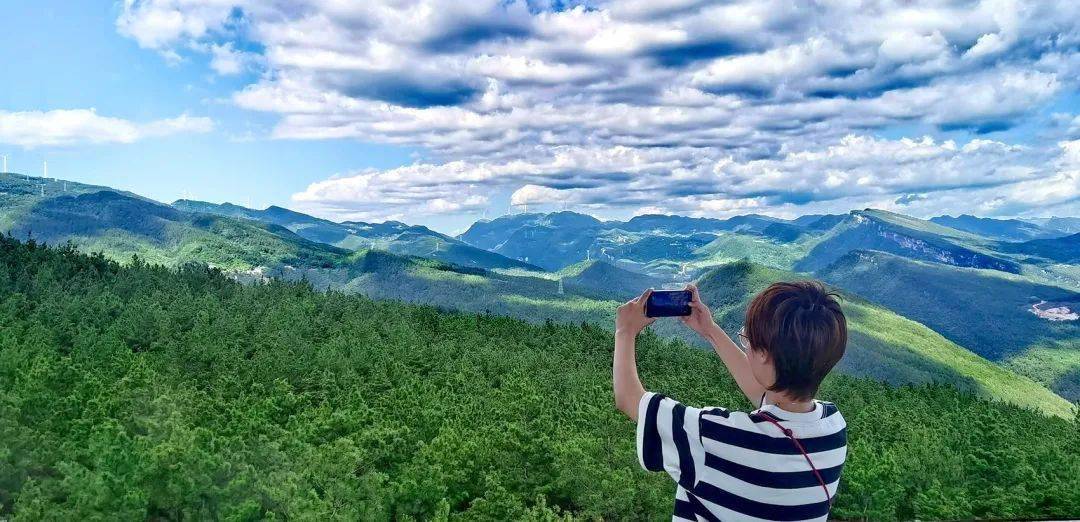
(77, 126)
(912, 175)
(532, 194)
(158, 24)
(227, 61)
(904, 48)
(764, 104)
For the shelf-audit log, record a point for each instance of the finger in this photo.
(694, 294)
(644, 296)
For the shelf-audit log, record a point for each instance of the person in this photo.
(782, 461)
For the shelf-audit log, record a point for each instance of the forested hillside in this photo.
(146, 392)
(991, 312)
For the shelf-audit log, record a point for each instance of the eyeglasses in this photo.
(743, 340)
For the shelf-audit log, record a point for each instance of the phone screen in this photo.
(668, 303)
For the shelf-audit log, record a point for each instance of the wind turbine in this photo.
(5, 165)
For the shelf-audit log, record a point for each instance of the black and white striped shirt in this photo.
(733, 465)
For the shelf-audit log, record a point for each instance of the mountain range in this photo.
(985, 304)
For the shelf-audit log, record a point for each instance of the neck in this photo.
(787, 403)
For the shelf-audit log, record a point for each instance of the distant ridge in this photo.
(1000, 229)
(906, 236)
(393, 236)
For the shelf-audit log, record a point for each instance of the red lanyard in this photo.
(799, 445)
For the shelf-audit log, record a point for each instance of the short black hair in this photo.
(802, 328)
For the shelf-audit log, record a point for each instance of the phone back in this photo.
(668, 303)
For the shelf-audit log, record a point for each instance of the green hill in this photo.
(142, 392)
(904, 236)
(882, 344)
(121, 224)
(603, 280)
(986, 311)
(728, 247)
(658, 245)
(392, 236)
(380, 275)
(550, 241)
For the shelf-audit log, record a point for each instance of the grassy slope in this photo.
(882, 344)
(603, 280)
(984, 310)
(380, 275)
(733, 247)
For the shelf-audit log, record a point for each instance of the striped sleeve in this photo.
(668, 440)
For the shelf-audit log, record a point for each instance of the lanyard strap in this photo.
(799, 446)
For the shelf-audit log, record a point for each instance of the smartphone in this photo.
(668, 303)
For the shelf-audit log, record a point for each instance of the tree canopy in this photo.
(140, 391)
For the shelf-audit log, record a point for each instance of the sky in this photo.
(442, 112)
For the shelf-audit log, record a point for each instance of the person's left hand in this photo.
(700, 319)
(630, 317)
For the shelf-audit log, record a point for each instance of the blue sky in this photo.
(610, 108)
(68, 55)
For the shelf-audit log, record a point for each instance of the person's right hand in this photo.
(700, 319)
(630, 318)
